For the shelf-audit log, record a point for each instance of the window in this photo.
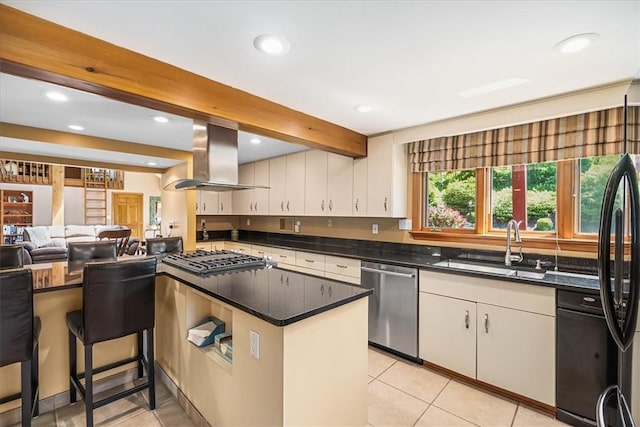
(524, 193)
(592, 178)
(451, 200)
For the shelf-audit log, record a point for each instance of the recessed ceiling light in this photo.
(161, 119)
(152, 164)
(362, 108)
(492, 87)
(255, 140)
(576, 43)
(272, 44)
(75, 127)
(57, 96)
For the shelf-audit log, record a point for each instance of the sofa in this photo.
(49, 243)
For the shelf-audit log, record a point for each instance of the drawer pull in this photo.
(466, 319)
(282, 256)
(486, 323)
(309, 260)
(341, 266)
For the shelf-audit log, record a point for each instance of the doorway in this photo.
(127, 210)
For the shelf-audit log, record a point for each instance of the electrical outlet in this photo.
(404, 224)
(203, 223)
(248, 221)
(254, 344)
(296, 227)
(374, 228)
(329, 223)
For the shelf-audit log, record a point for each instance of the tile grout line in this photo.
(421, 415)
(409, 394)
(447, 411)
(515, 413)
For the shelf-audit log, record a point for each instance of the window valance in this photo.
(597, 133)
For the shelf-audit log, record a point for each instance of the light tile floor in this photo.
(402, 393)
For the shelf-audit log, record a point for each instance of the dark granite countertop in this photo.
(280, 297)
(415, 256)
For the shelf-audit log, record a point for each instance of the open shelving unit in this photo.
(16, 213)
(199, 307)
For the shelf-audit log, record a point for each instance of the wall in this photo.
(73, 205)
(178, 207)
(42, 199)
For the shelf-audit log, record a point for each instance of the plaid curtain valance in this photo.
(596, 133)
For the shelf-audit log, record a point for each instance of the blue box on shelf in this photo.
(224, 345)
(205, 332)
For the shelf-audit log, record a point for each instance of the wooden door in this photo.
(127, 210)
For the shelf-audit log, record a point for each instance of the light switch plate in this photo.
(404, 224)
(374, 228)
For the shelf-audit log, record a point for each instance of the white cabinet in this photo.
(286, 178)
(516, 351)
(225, 203)
(242, 248)
(328, 184)
(206, 203)
(285, 258)
(447, 333)
(256, 201)
(499, 332)
(386, 178)
(261, 251)
(359, 207)
(343, 269)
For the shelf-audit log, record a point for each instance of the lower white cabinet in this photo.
(516, 351)
(447, 333)
(499, 332)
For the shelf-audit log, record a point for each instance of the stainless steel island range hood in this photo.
(215, 160)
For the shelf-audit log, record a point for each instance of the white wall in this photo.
(42, 199)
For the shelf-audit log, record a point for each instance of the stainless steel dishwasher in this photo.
(393, 307)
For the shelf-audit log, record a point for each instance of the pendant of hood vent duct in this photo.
(215, 161)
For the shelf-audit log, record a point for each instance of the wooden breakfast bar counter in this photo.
(299, 344)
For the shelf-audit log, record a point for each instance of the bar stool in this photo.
(164, 245)
(19, 332)
(117, 300)
(86, 251)
(11, 256)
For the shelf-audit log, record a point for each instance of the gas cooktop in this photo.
(205, 262)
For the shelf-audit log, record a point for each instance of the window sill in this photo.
(529, 241)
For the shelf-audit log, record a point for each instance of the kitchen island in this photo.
(308, 364)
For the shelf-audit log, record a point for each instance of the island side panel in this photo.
(325, 368)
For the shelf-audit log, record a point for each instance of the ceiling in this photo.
(408, 60)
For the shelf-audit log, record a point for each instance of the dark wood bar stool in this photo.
(87, 251)
(117, 300)
(19, 333)
(164, 245)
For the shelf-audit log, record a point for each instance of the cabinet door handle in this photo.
(256, 207)
(204, 207)
(357, 204)
(322, 205)
(330, 205)
(282, 206)
(196, 206)
(221, 207)
(486, 323)
(251, 207)
(466, 319)
(309, 260)
(385, 204)
(287, 206)
(329, 291)
(281, 279)
(322, 289)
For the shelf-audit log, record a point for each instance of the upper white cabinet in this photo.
(225, 203)
(328, 184)
(359, 207)
(206, 203)
(386, 178)
(287, 181)
(256, 201)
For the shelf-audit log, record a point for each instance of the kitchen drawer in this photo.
(261, 251)
(343, 266)
(238, 247)
(205, 246)
(342, 278)
(310, 260)
(283, 256)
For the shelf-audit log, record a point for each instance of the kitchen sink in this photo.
(492, 269)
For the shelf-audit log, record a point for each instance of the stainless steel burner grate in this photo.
(205, 262)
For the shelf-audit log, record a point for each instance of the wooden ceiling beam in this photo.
(36, 48)
(10, 130)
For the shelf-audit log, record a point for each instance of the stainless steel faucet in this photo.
(508, 258)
